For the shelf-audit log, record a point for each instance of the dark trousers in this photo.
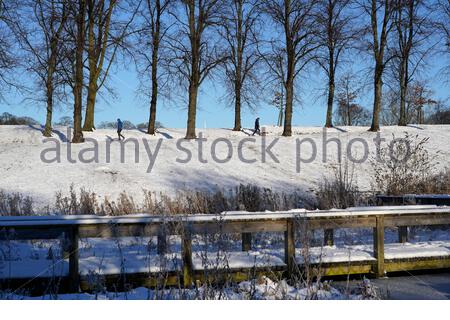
(119, 133)
(257, 130)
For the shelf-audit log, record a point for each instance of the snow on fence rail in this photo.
(71, 228)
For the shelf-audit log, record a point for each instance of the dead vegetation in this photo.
(341, 191)
(15, 204)
(407, 167)
(243, 198)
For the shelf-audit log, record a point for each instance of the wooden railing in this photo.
(414, 199)
(72, 228)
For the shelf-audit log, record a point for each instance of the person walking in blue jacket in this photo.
(119, 129)
(257, 127)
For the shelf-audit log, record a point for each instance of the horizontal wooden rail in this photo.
(70, 228)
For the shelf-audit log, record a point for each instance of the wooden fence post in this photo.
(74, 275)
(246, 241)
(186, 250)
(289, 247)
(378, 246)
(328, 237)
(65, 245)
(403, 234)
(162, 240)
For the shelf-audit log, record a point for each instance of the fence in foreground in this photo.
(69, 229)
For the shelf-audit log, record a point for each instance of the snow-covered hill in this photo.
(291, 167)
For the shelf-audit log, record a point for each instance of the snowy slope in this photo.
(21, 169)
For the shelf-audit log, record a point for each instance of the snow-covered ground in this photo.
(261, 289)
(23, 171)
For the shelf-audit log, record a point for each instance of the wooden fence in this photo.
(72, 228)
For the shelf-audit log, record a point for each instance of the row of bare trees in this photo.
(69, 47)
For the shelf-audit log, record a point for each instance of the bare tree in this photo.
(380, 13)
(293, 51)
(419, 96)
(99, 16)
(337, 31)
(195, 53)
(411, 25)
(239, 29)
(40, 31)
(105, 35)
(349, 112)
(78, 11)
(150, 38)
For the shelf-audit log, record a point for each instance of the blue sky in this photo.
(213, 111)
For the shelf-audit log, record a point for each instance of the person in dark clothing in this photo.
(119, 129)
(257, 128)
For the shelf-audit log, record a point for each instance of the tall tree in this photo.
(239, 29)
(99, 13)
(78, 10)
(293, 50)
(195, 51)
(105, 35)
(151, 36)
(40, 31)
(380, 13)
(337, 26)
(411, 24)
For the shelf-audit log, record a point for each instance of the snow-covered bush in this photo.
(406, 167)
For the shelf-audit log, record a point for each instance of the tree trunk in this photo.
(402, 120)
(49, 92)
(329, 121)
(237, 109)
(153, 101)
(238, 75)
(194, 79)
(90, 107)
(152, 120)
(349, 114)
(287, 132)
(378, 87)
(290, 71)
(48, 121)
(192, 111)
(78, 85)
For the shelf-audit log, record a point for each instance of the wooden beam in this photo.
(162, 240)
(238, 226)
(246, 241)
(403, 234)
(74, 274)
(341, 222)
(289, 247)
(378, 246)
(328, 237)
(423, 219)
(186, 252)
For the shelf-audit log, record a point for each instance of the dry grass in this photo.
(244, 197)
(341, 190)
(409, 170)
(15, 204)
